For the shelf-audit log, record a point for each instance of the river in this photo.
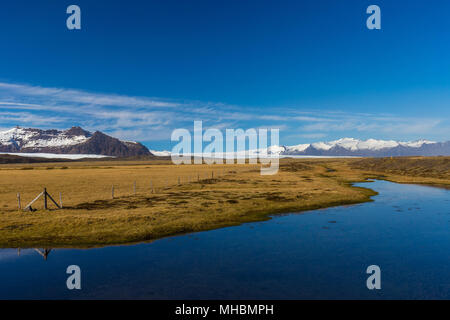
(320, 254)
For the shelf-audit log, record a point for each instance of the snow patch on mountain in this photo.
(272, 150)
(355, 144)
(29, 138)
(416, 144)
(299, 147)
(370, 144)
(163, 153)
(9, 137)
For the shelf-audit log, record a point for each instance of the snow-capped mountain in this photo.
(21, 138)
(77, 141)
(369, 148)
(348, 147)
(72, 141)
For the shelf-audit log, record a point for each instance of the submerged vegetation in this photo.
(151, 200)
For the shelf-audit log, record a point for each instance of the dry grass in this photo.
(233, 195)
(419, 170)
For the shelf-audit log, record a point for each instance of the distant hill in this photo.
(72, 141)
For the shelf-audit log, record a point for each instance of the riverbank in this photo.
(167, 199)
(432, 171)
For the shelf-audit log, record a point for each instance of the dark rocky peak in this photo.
(78, 131)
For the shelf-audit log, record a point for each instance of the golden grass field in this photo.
(208, 196)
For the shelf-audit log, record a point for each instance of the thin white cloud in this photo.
(151, 119)
(83, 97)
(32, 119)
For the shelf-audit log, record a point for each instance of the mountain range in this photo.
(368, 148)
(72, 141)
(350, 147)
(79, 141)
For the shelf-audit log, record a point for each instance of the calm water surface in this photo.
(318, 254)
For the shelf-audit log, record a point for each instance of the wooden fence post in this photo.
(60, 200)
(35, 199)
(179, 181)
(53, 200)
(134, 188)
(18, 199)
(45, 198)
(112, 192)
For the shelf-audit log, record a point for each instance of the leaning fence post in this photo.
(18, 200)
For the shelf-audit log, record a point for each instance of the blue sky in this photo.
(139, 69)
